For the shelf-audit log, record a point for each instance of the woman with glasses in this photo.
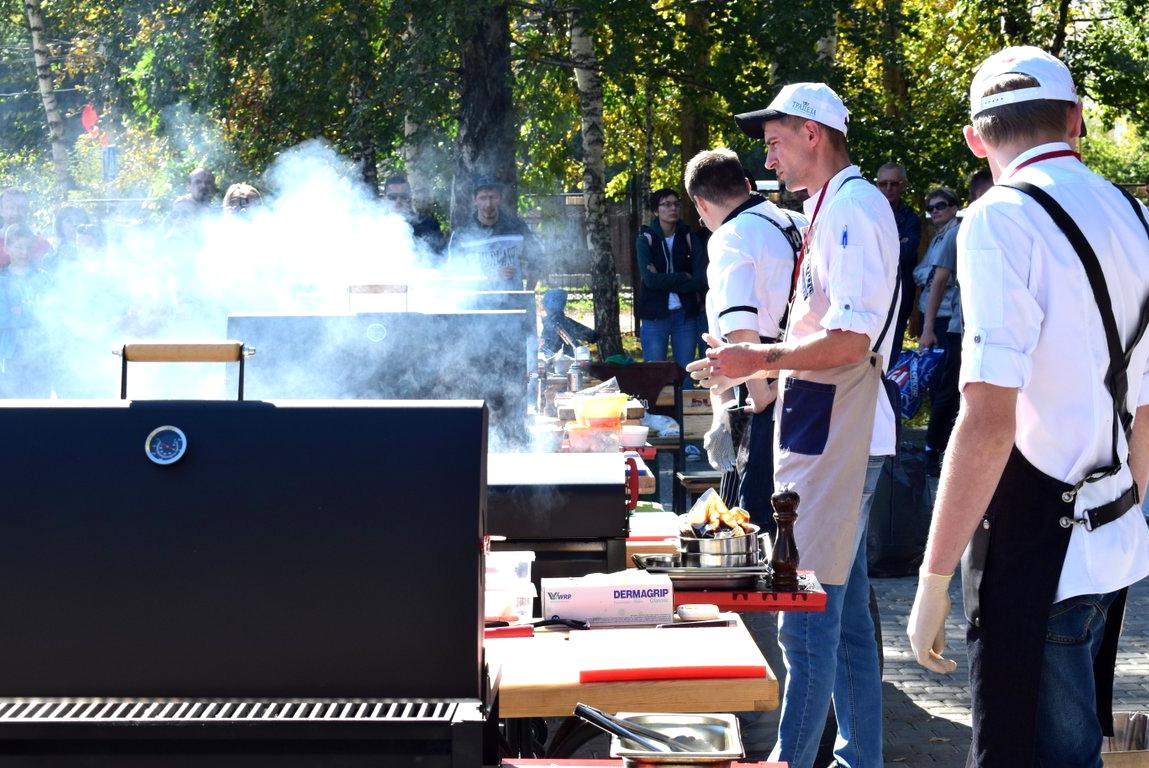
(940, 327)
(672, 265)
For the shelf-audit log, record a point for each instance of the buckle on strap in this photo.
(1106, 513)
(1071, 495)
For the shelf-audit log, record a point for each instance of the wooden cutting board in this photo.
(670, 654)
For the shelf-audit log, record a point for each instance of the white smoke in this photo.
(319, 232)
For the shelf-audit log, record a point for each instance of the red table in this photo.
(810, 597)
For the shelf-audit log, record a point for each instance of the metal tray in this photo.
(720, 732)
(696, 577)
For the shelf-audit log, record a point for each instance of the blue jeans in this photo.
(677, 329)
(1069, 734)
(832, 655)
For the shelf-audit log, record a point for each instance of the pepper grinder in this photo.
(784, 557)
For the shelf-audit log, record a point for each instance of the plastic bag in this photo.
(663, 426)
(913, 374)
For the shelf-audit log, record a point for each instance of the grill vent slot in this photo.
(223, 710)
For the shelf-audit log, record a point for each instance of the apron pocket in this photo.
(805, 416)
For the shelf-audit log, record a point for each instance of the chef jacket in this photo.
(1031, 324)
(849, 276)
(751, 265)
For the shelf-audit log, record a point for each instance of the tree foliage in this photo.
(235, 83)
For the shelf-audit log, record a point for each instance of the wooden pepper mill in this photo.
(784, 557)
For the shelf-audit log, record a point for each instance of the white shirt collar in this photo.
(1053, 146)
(834, 184)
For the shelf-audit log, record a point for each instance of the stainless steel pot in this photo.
(730, 552)
(738, 560)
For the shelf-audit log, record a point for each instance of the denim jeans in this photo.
(832, 655)
(1069, 734)
(677, 329)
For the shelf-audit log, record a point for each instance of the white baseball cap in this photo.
(812, 101)
(1054, 83)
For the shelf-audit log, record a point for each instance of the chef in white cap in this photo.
(1050, 452)
(834, 421)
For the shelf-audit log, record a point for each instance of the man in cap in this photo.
(835, 422)
(495, 244)
(1052, 441)
(752, 254)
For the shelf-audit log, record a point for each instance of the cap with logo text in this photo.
(812, 101)
(1054, 82)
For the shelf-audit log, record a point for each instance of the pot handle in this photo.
(765, 547)
(631, 483)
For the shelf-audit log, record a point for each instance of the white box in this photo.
(610, 599)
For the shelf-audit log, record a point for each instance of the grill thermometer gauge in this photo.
(166, 445)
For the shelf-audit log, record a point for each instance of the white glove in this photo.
(927, 626)
(719, 444)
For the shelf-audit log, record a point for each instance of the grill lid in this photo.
(138, 710)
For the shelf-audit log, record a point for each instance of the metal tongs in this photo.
(647, 738)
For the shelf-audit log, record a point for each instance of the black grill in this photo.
(246, 605)
(141, 711)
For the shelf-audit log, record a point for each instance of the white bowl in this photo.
(634, 436)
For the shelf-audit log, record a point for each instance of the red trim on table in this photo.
(671, 673)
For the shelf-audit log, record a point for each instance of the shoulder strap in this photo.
(1136, 208)
(790, 232)
(1116, 377)
(893, 306)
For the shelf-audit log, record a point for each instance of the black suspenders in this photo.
(1116, 376)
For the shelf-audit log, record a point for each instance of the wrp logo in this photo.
(558, 595)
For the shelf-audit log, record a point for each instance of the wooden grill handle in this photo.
(184, 352)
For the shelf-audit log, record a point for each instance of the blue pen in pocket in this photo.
(844, 238)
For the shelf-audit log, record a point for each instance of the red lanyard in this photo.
(1045, 156)
(806, 242)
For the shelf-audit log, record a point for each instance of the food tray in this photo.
(719, 732)
(696, 577)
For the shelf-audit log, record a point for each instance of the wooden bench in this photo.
(696, 482)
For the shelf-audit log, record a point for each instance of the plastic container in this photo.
(593, 439)
(597, 409)
(634, 435)
(504, 569)
(515, 602)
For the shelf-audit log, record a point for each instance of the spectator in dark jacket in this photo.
(425, 228)
(892, 181)
(672, 265)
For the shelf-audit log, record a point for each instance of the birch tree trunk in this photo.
(48, 94)
(604, 278)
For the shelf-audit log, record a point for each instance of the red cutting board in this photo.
(615, 655)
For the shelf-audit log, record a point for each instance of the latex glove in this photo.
(724, 367)
(719, 444)
(927, 626)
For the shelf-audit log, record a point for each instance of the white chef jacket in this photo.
(1032, 324)
(751, 264)
(849, 276)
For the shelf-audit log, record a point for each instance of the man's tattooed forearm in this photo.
(774, 354)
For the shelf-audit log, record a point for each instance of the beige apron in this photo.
(823, 424)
